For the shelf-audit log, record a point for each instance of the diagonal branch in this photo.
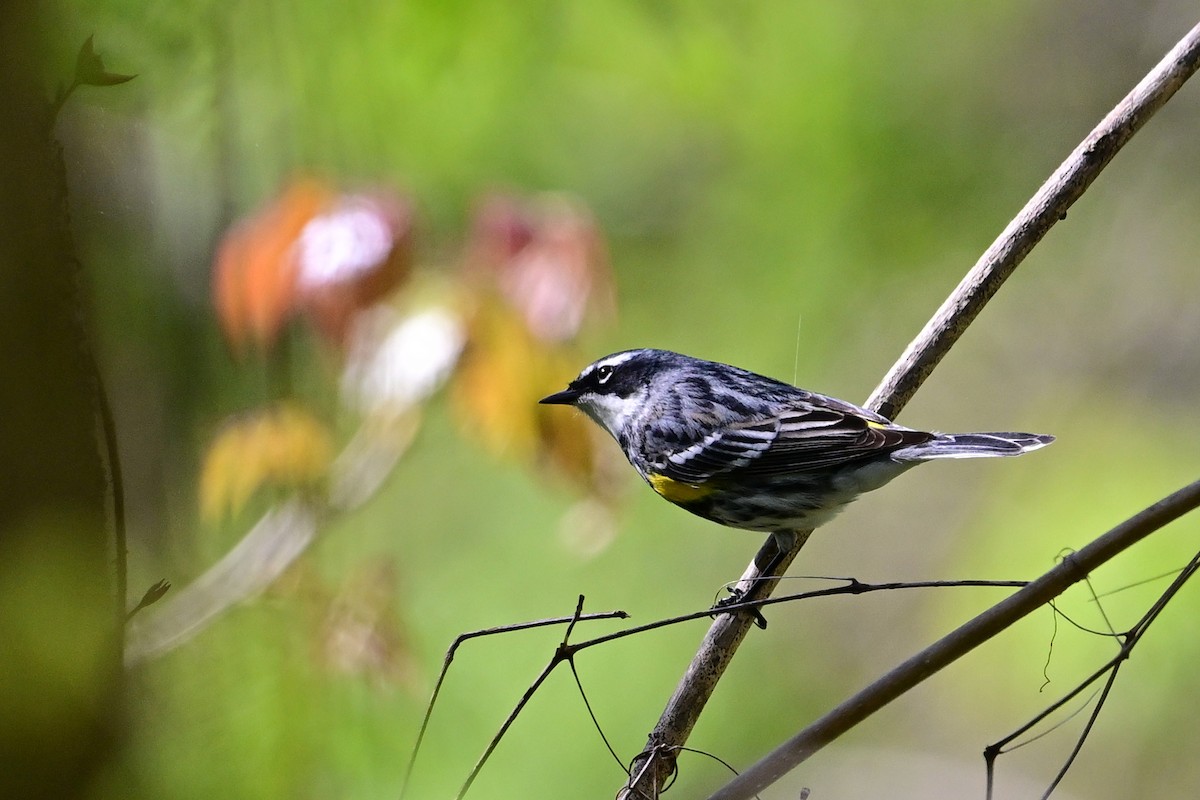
(1072, 569)
(1129, 640)
(981, 283)
(1046, 207)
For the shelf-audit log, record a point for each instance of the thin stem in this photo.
(563, 653)
(452, 650)
(1072, 569)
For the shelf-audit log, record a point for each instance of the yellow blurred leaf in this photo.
(283, 447)
(495, 391)
(569, 444)
(502, 374)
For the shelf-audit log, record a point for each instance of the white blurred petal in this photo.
(397, 363)
(352, 238)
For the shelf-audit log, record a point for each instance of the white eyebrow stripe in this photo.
(618, 359)
(613, 361)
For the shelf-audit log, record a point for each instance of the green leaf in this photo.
(90, 71)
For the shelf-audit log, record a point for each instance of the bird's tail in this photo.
(974, 445)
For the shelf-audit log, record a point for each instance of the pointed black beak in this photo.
(566, 397)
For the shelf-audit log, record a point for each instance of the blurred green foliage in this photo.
(789, 186)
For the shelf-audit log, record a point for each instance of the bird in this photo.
(752, 452)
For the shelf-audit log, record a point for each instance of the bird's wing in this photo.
(802, 439)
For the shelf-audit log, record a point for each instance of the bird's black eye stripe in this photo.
(603, 373)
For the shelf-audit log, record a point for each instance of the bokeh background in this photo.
(789, 186)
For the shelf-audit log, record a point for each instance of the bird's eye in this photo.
(603, 373)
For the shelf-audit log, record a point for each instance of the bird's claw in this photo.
(739, 596)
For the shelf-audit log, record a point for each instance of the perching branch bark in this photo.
(1046, 207)
(652, 768)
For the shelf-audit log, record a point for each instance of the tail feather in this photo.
(974, 445)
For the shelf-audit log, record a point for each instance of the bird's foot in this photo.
(739, 596)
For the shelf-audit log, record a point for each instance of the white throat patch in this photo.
(611, 412)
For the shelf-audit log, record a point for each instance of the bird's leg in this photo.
(783, 541)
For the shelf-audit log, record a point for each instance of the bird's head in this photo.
(614, 388)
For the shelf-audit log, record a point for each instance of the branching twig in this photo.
(452, 650)
(566, 651)
(656, 764)
(1130, 640)
(1047, 207)
(1072, 569)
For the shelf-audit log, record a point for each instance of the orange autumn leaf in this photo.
(255, 275)
(284, 447)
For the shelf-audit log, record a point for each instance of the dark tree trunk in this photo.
(60, 629)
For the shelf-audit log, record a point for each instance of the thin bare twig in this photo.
(566, 651)
(981, 283)
(563, 653)
(1072, 569)
(452, 650)
(116, 489)
(852, 586)
(1129, 641)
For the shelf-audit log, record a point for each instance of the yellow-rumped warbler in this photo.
(752, 452)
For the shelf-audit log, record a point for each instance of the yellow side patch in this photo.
(874, 424)
(677, 491)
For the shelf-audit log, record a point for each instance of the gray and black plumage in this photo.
(752, 452)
